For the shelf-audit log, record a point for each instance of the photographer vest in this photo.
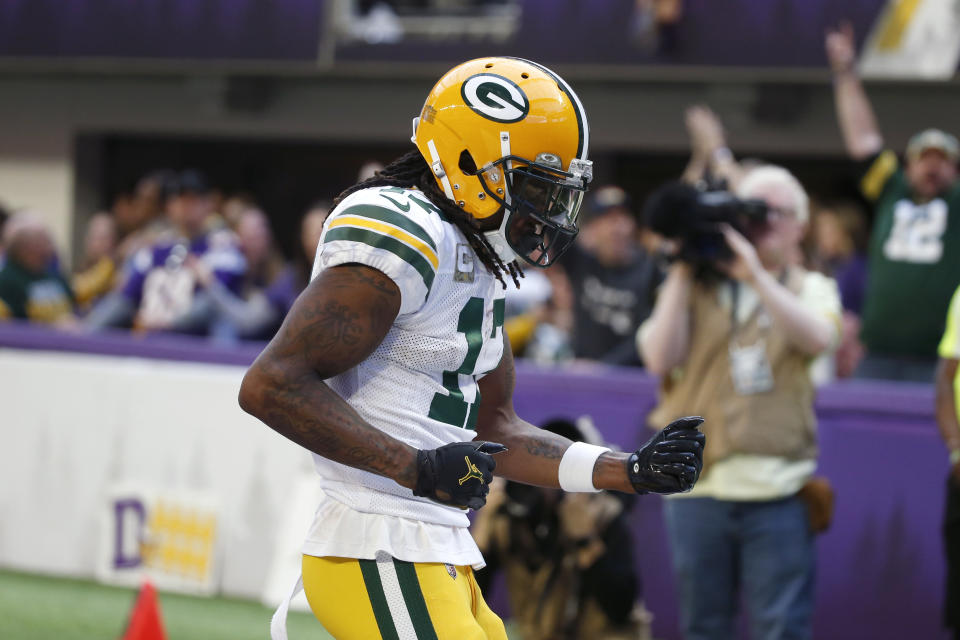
(776, 422)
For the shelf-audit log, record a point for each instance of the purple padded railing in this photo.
(880, 567)
(123, 343)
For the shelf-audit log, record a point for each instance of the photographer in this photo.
(732, 335)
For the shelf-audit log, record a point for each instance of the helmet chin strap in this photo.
(498, 238)
(437, 167)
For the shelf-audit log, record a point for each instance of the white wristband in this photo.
(576, 467)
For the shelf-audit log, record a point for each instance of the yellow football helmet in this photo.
(509, 134)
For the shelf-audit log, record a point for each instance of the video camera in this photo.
(694, 218)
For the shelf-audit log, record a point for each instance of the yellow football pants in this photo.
(395, 600)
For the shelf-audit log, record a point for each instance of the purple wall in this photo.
(203, 29)
(749, 33)
(880, 567)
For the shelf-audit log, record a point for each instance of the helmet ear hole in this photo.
(466, 163)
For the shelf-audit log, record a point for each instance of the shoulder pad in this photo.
(395, 230)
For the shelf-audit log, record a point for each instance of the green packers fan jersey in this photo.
(914, 263)
(420, 384)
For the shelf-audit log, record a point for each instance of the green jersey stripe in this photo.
(378, 600)
(390, 217)
(379, 241)
(413, 597)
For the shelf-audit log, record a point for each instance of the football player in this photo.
(381, 365)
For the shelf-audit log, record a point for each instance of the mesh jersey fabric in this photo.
(420, 384)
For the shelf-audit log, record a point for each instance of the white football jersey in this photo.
(420, 385)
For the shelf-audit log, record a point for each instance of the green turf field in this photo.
(36, 607)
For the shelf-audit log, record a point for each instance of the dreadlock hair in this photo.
(411, 170)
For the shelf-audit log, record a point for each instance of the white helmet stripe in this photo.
(581, 113)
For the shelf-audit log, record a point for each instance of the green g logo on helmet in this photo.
(495, 98)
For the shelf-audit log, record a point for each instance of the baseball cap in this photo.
(603, 199)
(188, 181)
(933, 139)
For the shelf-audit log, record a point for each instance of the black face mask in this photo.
(542, 208)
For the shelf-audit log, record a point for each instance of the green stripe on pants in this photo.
(381, 610)
(413, 597)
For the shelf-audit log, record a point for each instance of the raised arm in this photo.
(708, 148)
(858, 124)
(667, 464)
(664, 339)
(334, 325)
(249, 316)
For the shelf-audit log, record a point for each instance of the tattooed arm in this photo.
(334, 325)
(534, 454)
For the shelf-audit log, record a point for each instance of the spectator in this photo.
(140, 219)
(948, 410)
(158, 292)
(567, 558)
(738, 351)
(655, 24)
(839, 240)
(839, 250)
(311, 227)
(613, 280)
(368, 170)
(712, 164)
(914, 255)
(235, 206)
(97, 273)
(4, 216)
(269, 287)
(539, 317)
(216, 220)
(30, 287)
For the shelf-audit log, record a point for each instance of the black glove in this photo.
(671, 461)
(457, 474)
